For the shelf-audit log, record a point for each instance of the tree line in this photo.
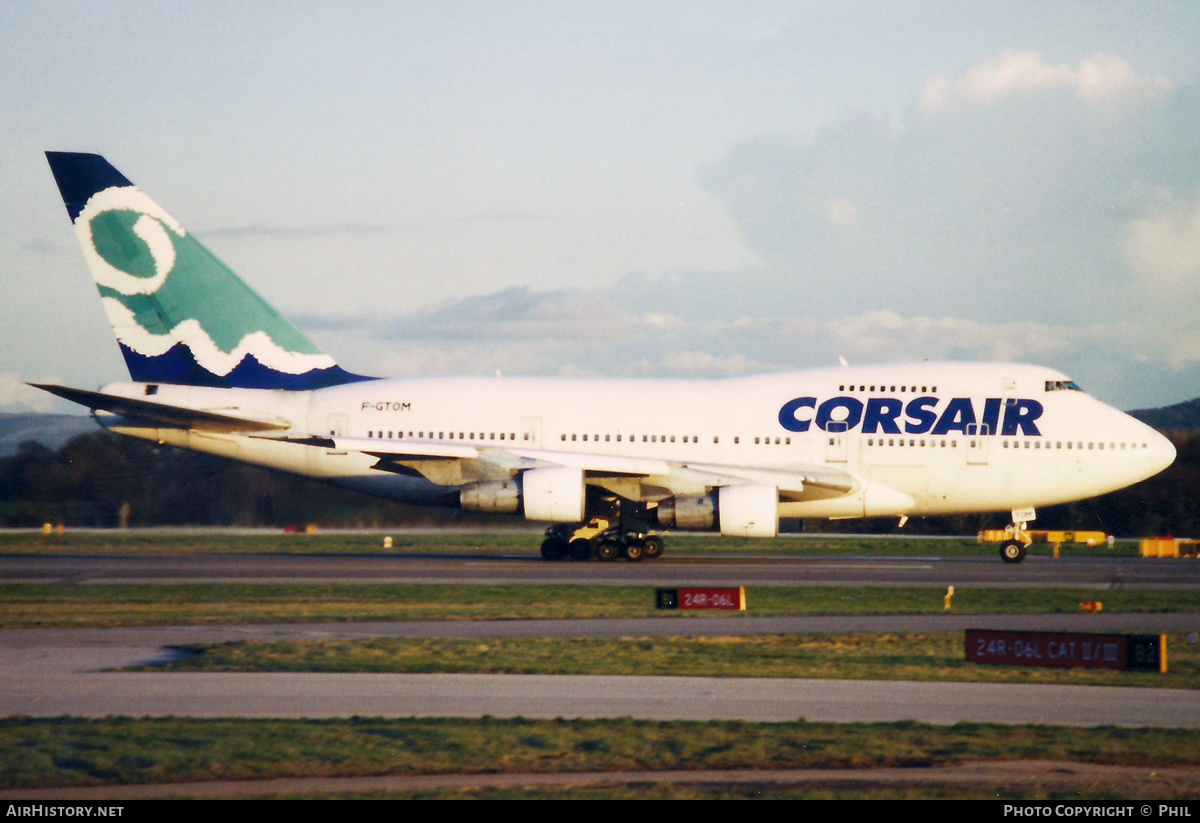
(102, 480)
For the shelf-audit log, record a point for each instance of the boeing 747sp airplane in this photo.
(610, 463)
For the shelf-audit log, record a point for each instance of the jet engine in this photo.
(556, 495)
(493, 497)
(695, 512)
(749, 511)
(742, 511)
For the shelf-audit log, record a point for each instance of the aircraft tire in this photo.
(1012, 552)
(654, 547)
(553, 549)
(634, 551)
(607, 550)
(580, 549)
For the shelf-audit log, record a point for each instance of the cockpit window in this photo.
(1062, 385)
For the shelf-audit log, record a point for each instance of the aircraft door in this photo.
(336, 425)
(531, 432)
(978, 441)
(835, 439)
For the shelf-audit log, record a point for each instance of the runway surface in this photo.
(49, 672)
(1100, 573)
(70, 671)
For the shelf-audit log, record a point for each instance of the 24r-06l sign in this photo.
(724, 598)
(1129, 652)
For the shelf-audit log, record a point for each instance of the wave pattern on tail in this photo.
(179, 314)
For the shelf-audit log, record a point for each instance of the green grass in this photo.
(899, 656)
(216, 541)
(232, 541)
(75, 751)
(25, 605)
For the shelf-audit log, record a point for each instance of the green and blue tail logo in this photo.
(179, 314)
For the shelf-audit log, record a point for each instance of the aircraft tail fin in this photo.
(179, 314)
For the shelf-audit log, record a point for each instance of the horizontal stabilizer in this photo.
(162, 414)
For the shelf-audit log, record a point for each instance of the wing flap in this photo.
(797, 480)
(800, 482)
(598, 463)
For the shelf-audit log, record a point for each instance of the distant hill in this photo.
(1185, 415)
(51, 430)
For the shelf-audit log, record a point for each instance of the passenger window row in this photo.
(633, 438)
(1077, 445)
(918, 443)
(891, 389)
(443, 435)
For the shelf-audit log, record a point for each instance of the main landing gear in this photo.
(601, 539)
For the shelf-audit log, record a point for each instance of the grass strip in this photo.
(900, 656)
(76, 751)
(27, 605)
(217, 541)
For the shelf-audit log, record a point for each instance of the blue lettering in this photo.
(881, 415)
(1021, 415)
(920, 416)
(958, 415)
(853, 407)
(991, 416)
(882, 411)
(787, 414)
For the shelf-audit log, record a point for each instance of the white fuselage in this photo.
(947, 437)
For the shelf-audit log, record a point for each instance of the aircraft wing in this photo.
(401, 450)
(796, 482)
(162, 414)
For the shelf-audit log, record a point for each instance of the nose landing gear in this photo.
(1013, 549)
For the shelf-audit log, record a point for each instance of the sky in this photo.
(662, 189)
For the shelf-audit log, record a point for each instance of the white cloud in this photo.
(1096, 81)
(1104, 78)
(506, 357)
(16, 394)
(701, 363)
(842, 212)
(660, 322)
(1163, 249)
(524, 314)
(886, 335)
(1185, 350)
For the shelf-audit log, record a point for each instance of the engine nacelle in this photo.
(557, 495)
(749, 511)
(689, 512)
(493, 497)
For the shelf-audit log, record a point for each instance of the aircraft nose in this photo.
(1162, 450)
